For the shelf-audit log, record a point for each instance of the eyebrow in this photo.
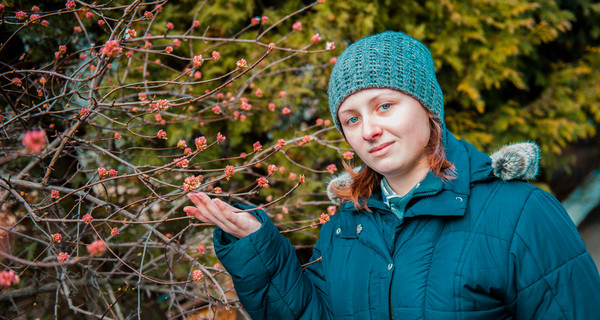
(375, 98)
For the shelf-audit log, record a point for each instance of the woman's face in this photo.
(389, 130)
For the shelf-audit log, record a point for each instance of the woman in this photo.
(425, 229)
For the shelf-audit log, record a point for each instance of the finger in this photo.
(212, 212)
(196, 213)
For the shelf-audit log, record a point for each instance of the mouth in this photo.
(380, 148)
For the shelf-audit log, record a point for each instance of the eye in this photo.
(352, 120)
(384, 107)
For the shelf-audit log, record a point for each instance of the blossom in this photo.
(132, 33)
(96, 248)
(35, 8)
(101, 22)
(220, 137)
(192, 182)
(45, 23)
(348, 155)
(42, 80)
(258, 92)
(196, 24)
(76, 29)
(282, 94)
(36, 16)
(331, 210)
(112, 48)
(70, 4)
(181, 162)
(297, 26)
(21, 15)
(229, 171)
(147, 44)
(217, 190)
(160, 105)
(306, 139)
(264, 19)
(241, 63)
(169, 49)
(323, 218)
(257, 146)
(292, 176)
(271, 47)
(271, 169)
(331, 168)
(201, 143)
(315, 38)
(321, 1)
(83, 112)
(176, 42)
(332, 60)
(170, 25)
(8, 278)
(254, 21)
(89, 15)
(117, 135)
(215, 55)
(197, 275)
(148, 15)
(63, 257)
(280, 144)
(102, 172)
(87, 218)
(216, 109)
(201, 249)
(181, 144)
(330, 45)
(161, 134)
(271, 107)
(56, 237)
(187, 151)
(263, 182)
(197, 75)
(327, 122)
(286, 110)
(17, 82)
(55, 194)
(34, 141)
(112, 173)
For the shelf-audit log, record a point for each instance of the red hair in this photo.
(367, 179)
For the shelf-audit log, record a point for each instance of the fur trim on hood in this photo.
(519, 161)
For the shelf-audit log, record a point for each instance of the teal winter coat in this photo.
(481, 248)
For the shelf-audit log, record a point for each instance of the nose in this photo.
(371, 129)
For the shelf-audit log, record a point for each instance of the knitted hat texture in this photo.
(386, 60)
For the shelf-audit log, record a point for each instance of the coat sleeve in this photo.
(554, 277)
(267, 274)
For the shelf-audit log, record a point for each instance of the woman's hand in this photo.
(231, 220)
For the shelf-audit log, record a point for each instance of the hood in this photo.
(519, 161)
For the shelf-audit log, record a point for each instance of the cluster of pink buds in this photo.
(181, 144)
(54, 194)
(297, 26)
(306, 139)
(257, 146)
(324, 218)
(348, 155)
(192, 183)
(280, 144)
(271, 169)
(70, 4)
(161, 134)
(331, 210)
(331, 168)
(8, 278)
(229, 171)
(263, 182)
(197, 275)
(112, 48)
(197, 60)
(34, 141)
(181, 162)
(63, 257)
(215, 55)
(56, 237)
(201, 143)
(114, 231)
(220, 137)
(87, 218)
(96, 248)
(240, 64)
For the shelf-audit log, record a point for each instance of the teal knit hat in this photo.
(386, 60)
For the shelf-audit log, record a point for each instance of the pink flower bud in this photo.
(70, 4)
(297, 26)
(63, 257)
(286, 110)
(161, 134)
(315, 38)
(170, 25)
(257, 146)
(87, 218)
(114, 231)
(241, 63)
(197, 275)
(264, 19)
(196, 24)
(55, 194)
(197, 60)
(112, 173)
(215, 55)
